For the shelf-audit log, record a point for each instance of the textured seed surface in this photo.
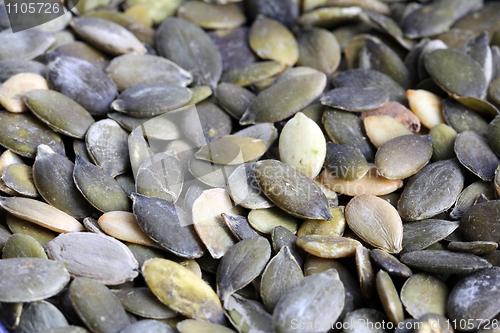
(182, 290)
(426, 106)
(440, 261)
(41, 316)
(99, 257)
(474, 152)
(19, 178)
(421, 234)
(142, 302)
(328, 247)
(367, 215)
(22, 246)
(13, 90)
(243, 188)
(231, 150)
(36, 279)
(389, 297)
(423, 294)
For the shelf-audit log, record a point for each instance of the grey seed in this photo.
(366, 321)
(234, 99)
(244, 190)
(366, 274)
(83, 82)
(479, 248)
(151, 99)
(11, 67)
(93, 226)
(36, 279)
(283, 11)
(147, 326)
(168, 225)
(282, 237)
(316, 297)
(310, 41)
(390, 264)
(107, 36)
(353, 99)
(142, 302)
(479, 223)
(474, 152)
(469, 195)
(475, 297)
(243, 313)
(99, 257)
(40, 317)
(189, 46)
(233, 47)
(462, 118)
(239, 226)
(493, 134)
(205, 123)
(389, 297)
(99, 188)
(34, 133)
(434, 189)
(478, 48)
(444, 262)
(82, 51)
(131, 70)
(421, 234)
(26, 44)
(107, 144)
(96, 305)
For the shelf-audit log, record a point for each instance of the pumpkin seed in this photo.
(99, 188)
(234, 99)
(13, 90)
(353, 99)
(390, 264)
(99, 257)
(96, 306)
(196, 326)
(381, 129)
(41, 214)
(156, 216)
(328, 247)
(284, 268)
(92, 225)
(466, 199)
(123, 226)
(83, 82)
(208, 223)
(366, 321)
(189, 46)
(302, 145)
(59, 112)
(314, 298)
(41, 316)
(422, 234)
(423, 294)
(243, 188)
(431, 191)
(364, 268)
(181, 290)
(367, 214)
(330, 16)
(403, 156)
(36, 279)
(328, 228)
(475, 154)
(265, 132)
(19, 178)
(370, 183)
(26, 45)
(210, 174)
(479, 248)
(345, 161)
(231, 150)
(443, 142)
(242, 263)
(246, 315)
(444, 262)
(23, 134)
(389, 297)
(145, 325)
(151, 99)
(210, 16)
(481, 300)
(310, 40)
(11, 67)
(345, 128)
(426, 106)
(40, 234)
(397, 111)
(205, 123)
(477, 223)
(105, 35)
(287, 188)
(142, 302)
(22, 246)
(80, 50)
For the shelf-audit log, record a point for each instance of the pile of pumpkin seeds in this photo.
(251, 166)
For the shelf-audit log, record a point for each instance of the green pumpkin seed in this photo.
(345, 161)
(210, 174)
(311, 40)
(475, 297)
(247, 315)
(239, 226)
(53, 176)
(82, 82)
(231, 150)
(167, 225)
(387, 24)
(99, 188)
(353, 99)
(265, 132)
(99, 257)
(40, 234)
(282, 237)
(96, 306)
(403, 156)
(328, 247)
(26, 44)
(23, 134)
(478, 223)
(205, 123)
(189, 46)
(160, 176)
(328, 228)
(36, 279)
(242, 263)
(389, 297)
(234, 47)
(22, 246)
(151, 99)
(293, 95)
(59, 112)
(444, 262)
(474, 152)
(19, 178)
(479, 248)
(423, 294)
(243, 188)
(131, 70)
(443, 142)
(41, 214)
(92, 226)
(315, 297)
(107, 144)
(390, 264)
(182, 291)
(466, 199)
(253, 73)
(210, 16)
(8, 158)
(142, 302)
(80, 148)
(147, 326)
(364, 268)
(366, 215)
(196, 326)
(40, 317)
(105, 35)
(287, 188)
(143, 253)
(234, 99)
(431, 191)
(345, 128)
(420, 235)
(80, 50)
(330, 16)
(283, 268)
(269, 39)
